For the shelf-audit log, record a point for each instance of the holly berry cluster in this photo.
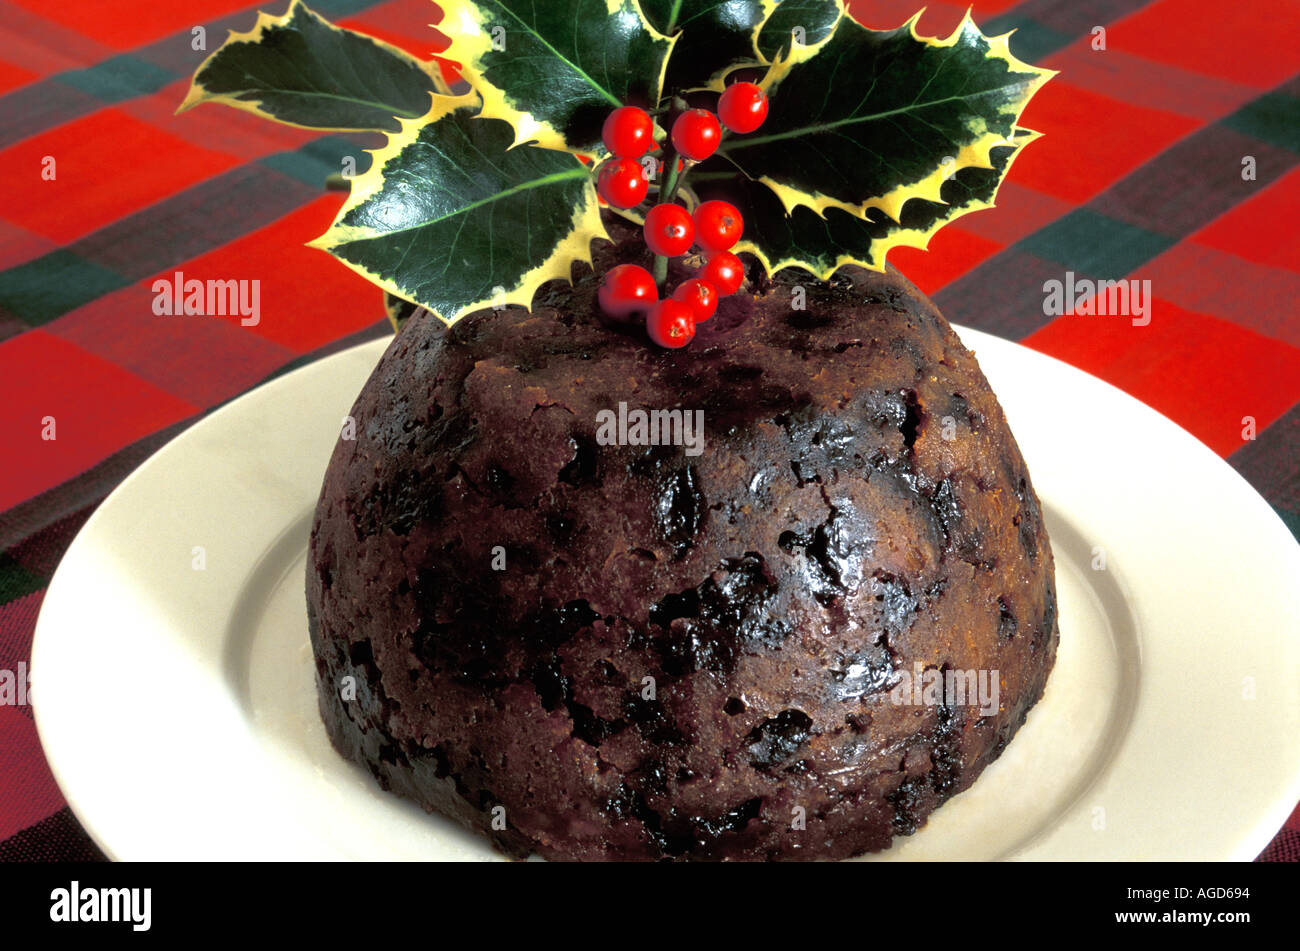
(670, 229)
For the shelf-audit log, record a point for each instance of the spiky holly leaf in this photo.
(303, 71)
(399, 311)
(797, 23)
(713, 36)
(554, 70)
(821, 244)
(870, 119)
(451, 217)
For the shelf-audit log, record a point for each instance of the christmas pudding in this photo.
(685, 527)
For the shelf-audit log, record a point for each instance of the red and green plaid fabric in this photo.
(1139, 176)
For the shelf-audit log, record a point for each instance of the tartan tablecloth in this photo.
(1171, 154)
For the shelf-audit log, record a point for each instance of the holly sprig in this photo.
(875, 138)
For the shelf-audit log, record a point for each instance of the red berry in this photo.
(743, 107)
(700, 296)
(628, 132)
(669, 230)
(696, 134)
(724, 271)
(627, 289)
(718, 225)
(670, 324)
(622, 182)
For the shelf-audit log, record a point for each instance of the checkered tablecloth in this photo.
(1140, 175)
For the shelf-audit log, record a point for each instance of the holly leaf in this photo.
(398, 311)
(871, 119)
(301, 70)
(824, 243)
(452, 217)
(797, 23)
(713, 37)
(554, 70)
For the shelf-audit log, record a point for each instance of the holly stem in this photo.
(666, 194)
(672, 179)
(672, 176)
(660, 271)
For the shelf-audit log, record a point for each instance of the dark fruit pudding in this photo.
(594, 651)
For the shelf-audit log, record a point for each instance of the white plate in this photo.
(177, 706)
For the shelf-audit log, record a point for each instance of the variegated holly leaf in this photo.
(797, 23)
(399, 311)
(822, 244)
(451, 217)
(301, 70)
(555, 70)
(713, 37)
(871, 119)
